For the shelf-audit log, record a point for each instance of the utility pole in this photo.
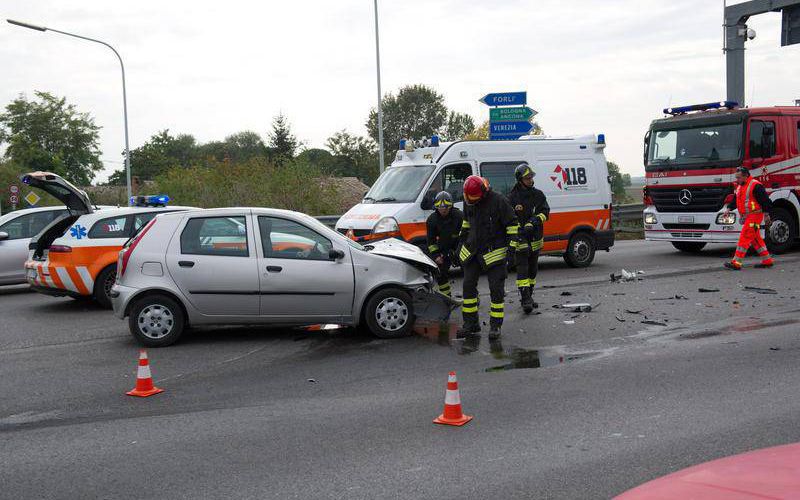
(380, 97)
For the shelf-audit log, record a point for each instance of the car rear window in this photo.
(224, 236)
(111, 227)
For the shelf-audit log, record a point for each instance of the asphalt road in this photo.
(568, 405)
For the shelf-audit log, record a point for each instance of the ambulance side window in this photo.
(500, 175)
(112, 227)
(451, 179)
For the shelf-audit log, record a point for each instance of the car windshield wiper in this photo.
(388, 198)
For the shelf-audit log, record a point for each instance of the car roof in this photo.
(211, 212)
(120, 211)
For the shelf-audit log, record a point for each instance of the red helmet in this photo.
(474, 189)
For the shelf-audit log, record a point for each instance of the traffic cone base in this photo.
(144, 379)
(452, 414)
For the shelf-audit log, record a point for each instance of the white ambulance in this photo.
(571, 171)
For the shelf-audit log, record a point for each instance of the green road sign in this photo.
(511, 114)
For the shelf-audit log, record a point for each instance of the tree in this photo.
(458, 126)
(417, 111)
(356, 156)
(48, 134)
(282, 143)
(160, 153)
(617, 183)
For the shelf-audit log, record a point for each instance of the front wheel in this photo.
(782, 232)
(389, 313)
(688, 246)
(156, 321)
(580, 250)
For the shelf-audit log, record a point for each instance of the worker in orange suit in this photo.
(754, 206)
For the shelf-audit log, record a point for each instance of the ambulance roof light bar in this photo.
(701, 107)
(156, 200)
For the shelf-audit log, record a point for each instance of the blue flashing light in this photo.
(26, 179)
(402, 144)
(601, 138)
(435, 141)
(701, 107)
(156, 200)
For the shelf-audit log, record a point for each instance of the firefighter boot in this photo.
(526, 299)
(494, 332)
(733, 266)
(469, 328)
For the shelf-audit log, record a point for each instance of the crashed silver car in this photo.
(264, 266)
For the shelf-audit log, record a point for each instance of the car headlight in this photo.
(725, 219)
(650, 218)
(386, 225)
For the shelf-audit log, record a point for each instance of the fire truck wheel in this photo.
(782, 232)
(688, 246)
(580, 250)
(102, 285)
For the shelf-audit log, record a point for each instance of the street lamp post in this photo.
(124, 93)
(380, 104)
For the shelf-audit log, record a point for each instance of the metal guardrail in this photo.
(621, 213)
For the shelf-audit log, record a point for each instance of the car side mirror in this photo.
(335, 254)
(427, 201)
(3, 235)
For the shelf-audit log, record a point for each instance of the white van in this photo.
(571, 171)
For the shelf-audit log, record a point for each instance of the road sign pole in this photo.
(380, 97)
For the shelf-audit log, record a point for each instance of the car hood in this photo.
(401, 250)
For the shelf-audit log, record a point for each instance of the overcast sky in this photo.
(215, 68)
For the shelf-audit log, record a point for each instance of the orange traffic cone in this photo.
(452, 414)
(144, 380)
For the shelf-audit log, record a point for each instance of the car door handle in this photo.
(274, 269)
(186, 263)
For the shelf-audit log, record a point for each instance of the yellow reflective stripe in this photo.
(470, 301)
(496, 305)
(433, 248)
(523, 283)
(528, 225)
(495, 255)
(496, 314)
(536, 245)
(512, 230)
(464, 253)
(466, 309)
(533, 281)
(445, 286)
(496, 310)
(514, 244)
(464, 223)
(542, 216)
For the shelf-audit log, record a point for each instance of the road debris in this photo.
(764, 291)
(620, 318)
(566, 294)
(631, 311)
(569, 321)
(577, 307)
(651, 322)
(774, 348)
(312, 380)
(625, 275)
(674, 297)
(708, 290)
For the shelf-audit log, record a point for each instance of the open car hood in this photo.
(75, 199)
(401, 250)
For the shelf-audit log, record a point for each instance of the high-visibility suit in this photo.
(530, 205)
(443, 233)
(488, 227)
(752, 201)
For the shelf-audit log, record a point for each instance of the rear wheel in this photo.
(688, 246)
(156, 321)
(390, 313)
(782, 232)
(580, 250)
(102, 285)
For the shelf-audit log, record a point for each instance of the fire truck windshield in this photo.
(699, 146)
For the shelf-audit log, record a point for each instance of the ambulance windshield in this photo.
(399, 184)
(704, 144)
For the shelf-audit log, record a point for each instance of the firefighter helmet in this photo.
(474, 189)
(443, 200)
(523, 170)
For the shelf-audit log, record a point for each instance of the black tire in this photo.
(782, 232)
(102, 286)
(580, 250)
(156, 320)
(688, 246)
(389, 313)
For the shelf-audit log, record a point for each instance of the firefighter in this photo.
(489, 224)
(754, 206)
(530, 205)
(444, 226)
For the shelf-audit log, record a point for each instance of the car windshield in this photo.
(703, 144)
(399, 184)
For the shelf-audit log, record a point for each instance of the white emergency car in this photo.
(572, 172)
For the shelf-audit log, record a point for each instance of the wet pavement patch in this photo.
(532, 358)
(743, 325)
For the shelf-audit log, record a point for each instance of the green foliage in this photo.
(618, 183)
(283, 144)
(255, 182)
(355, 156)
(48, 134)
(10, 174)
(459, 125)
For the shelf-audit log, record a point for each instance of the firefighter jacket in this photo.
(443, 232)
(488, 227)
(752, 201)
(530, 205)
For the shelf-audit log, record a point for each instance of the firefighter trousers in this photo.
(497, 281)
(527, 267)
(443, 280)
(751, 236)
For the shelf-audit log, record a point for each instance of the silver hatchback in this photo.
(263, 266)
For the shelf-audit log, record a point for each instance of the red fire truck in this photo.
(690, 157)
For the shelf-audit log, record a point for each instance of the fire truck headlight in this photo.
(724, 219)
(650, 218)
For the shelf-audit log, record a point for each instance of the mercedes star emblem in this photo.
(685, 197)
